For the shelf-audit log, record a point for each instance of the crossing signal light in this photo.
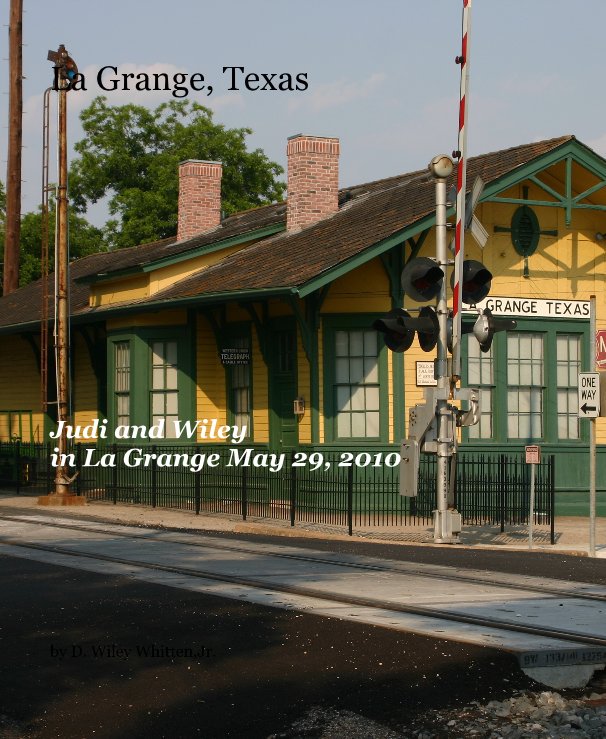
(475, 282)
(70, 69)
(422, 279)
(428, 328)
(65, 67)
(396, 335)
(398, 328)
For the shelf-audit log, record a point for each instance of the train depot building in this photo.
(263, 320)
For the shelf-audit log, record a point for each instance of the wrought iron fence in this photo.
(313, 486)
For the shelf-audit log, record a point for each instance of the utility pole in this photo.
(15, 134)
(65, 72)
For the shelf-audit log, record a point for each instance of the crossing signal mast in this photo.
(65, 73)
(433, 424)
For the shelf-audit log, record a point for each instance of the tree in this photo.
(131, 155)
(83, 239)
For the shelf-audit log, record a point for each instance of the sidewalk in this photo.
(572, 534)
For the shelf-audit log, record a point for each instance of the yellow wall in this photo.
(20, 389)
(85, 396)
(147, 284)
(211, 401)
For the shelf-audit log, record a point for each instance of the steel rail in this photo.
(404, 568)
(310, 592)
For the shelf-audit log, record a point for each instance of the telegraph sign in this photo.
(589, 394)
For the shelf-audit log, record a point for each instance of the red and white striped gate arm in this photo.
(463, 60)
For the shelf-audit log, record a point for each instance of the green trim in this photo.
(393, 263)
(357, 260)
(353, 322)
(140, 340)
(183, 256)
(568, 152)
(280, 324)
(96, 346)
(260, 327)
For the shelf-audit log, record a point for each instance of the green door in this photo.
(283, 429)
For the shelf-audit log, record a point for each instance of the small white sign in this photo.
(425, 374)
(589, 394)
(533, 454)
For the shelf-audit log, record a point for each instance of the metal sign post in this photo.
(592, 450)
(533, 457)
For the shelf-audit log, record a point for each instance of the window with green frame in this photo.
(528, 382)
(151, 377)
(122, 382)
(164, 391)
(355, 400)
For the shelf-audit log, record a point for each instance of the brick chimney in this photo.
(313, 180)
(199, 197)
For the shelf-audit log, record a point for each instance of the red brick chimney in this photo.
(313, 180)
(199, 197)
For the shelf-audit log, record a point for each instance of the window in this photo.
(528, 383)
(164, 389)
(122, 382)
(481, 375)
(151, 377)
(16, 426)
(568, 356)
(356, 387)
(239, 385)
(525, 382)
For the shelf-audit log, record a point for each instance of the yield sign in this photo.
(600, 348)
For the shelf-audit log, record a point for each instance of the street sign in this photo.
(533, 454)
(600, 348)
(589, 394)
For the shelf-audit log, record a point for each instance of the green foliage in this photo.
(131, 155)
(83, 239)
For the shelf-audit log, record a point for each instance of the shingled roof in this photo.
(369, 214)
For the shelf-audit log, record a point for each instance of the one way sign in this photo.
(589, 394)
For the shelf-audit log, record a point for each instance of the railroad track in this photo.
(89, 541)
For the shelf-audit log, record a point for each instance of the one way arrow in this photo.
(586, 408)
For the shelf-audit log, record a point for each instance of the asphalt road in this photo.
(87, 655)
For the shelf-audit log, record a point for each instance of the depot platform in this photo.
(572, 533)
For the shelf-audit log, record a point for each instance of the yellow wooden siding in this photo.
(84, 396)
(172, 317)
(147, 284)
(19, 389)
(260, 399)
(363, 290)
(211, 400)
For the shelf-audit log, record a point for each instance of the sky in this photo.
(381, 75)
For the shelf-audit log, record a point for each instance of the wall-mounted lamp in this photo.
(299, 406)
(600, 236)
